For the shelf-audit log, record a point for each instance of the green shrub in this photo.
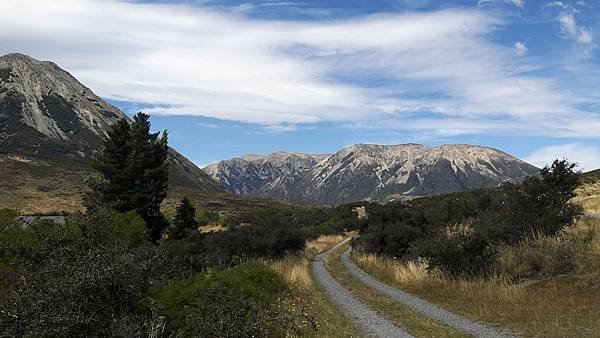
(238, 302)
(130, 227)
(459, 250)
(204, 217)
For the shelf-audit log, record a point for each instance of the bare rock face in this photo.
(46, 113)
(262, 175)
(370, 172)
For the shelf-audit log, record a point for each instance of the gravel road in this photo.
(423, 307)
(371, 323)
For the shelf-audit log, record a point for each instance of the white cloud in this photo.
(198, 61)
(569, 26)
(587, 157)
(520, 48)
(518, 3)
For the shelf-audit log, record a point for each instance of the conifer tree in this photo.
(134, 170)
(184, 220)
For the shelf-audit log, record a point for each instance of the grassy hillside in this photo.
(41, 186)
(588, 194)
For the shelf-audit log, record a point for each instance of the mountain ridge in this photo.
(371, 172)
(46, 113)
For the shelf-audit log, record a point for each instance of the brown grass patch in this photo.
(413, 322)
(557, 306)
(321, 244)
(307, 297)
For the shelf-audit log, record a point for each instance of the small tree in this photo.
(546, 200)
(184, 220)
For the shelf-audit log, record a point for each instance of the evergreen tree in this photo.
(134, 170)
(184, 220)
(547, 198)
(112, 190)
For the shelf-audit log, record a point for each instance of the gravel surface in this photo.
(368, 320)
(423, 307)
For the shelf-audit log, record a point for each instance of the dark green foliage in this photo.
(78, 279)
(184, 221)
(133, 165)
(546, 198)
(239, 302)
(458, 251)
(498, 216)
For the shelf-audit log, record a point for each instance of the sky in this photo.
(229, 77)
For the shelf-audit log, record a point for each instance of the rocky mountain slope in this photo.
(47, 116)
(369, 172)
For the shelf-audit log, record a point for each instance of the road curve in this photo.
(371, 323)
(421, 306)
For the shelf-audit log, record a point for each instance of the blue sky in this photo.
(228, 77)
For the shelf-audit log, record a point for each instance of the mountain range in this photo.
(369, 172)
(52, 126)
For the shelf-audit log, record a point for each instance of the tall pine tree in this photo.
(134, 170)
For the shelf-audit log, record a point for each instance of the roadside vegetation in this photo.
(126, 267)
(519, 257)
(414, 323)
(134, 264)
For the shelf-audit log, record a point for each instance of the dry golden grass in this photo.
(295, 270)
(588, 196)
(415, 323)
(558, 306)
(308, 297)
(211, 228)
(321, 244)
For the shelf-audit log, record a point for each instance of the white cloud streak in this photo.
(587, 157)
(196, 61)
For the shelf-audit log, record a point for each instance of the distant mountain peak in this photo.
(371, 172)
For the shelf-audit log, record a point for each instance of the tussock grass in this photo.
(211, 228)
(321, 244)
(413, 322)
(295, 270)
(306, 296)
(548, 302)
(588, 196)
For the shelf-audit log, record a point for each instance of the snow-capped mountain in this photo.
(370, 172)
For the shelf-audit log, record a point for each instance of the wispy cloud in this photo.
(439, 71)
(587, 157)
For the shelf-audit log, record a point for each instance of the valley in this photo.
(403, 240)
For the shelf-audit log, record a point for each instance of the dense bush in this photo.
(77, 279)
(507, 215)
(239, 302)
